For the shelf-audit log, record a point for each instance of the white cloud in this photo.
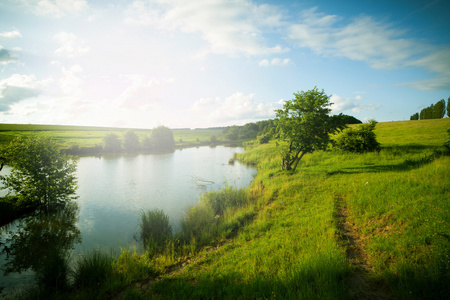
(274, 62)
(71, 46)
(437, 62)
(19, 87)
(55, 8)
(362, 39)
(229, 27)
(341, 104)
(235, 109)
(374, 42)
(10, 34)
(70, 82)
(142, 93)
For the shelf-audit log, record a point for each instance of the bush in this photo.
(155, 229)
(362, 139)
(447, 143)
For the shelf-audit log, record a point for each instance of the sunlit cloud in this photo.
(54, 8)
(340, 104)
(238, 108)
(230, 28)
(274, 62)
(71, 46)
(10, 34)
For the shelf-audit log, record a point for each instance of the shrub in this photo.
(362, 139)
(155, 229)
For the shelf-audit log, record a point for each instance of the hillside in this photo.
(362, 226)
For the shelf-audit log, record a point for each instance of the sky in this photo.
(211, 63)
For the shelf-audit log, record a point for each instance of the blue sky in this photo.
(210, 63)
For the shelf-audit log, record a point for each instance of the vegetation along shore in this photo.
(346, 224)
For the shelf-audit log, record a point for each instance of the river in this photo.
(114, 189)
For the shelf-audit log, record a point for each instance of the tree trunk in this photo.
(297, 161)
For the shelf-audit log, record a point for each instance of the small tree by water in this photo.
(40, 175)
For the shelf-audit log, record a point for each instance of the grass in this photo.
(281, 237)
(90, 137)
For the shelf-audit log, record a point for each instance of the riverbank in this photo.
(344, 226)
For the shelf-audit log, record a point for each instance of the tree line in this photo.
(161, 139)
(434, 111)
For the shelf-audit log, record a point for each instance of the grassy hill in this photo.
(361, 226)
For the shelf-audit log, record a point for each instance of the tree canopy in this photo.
(40, 175)
(304, 125)
(162, 139)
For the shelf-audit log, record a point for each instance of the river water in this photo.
(114, 190)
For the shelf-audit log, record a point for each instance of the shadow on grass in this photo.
(303, 285)
(406, 165)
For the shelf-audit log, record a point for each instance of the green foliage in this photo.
(162, 139)
(448, 107)
(40, 175)
(362, 139)
(414, 116)
(131, 142)
(155, 229)
(350, 119)
(112, 143)
(304, 126)
(434, 111)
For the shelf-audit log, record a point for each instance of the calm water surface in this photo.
(113, 190)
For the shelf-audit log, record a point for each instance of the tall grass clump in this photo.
(93, 270)
(201, 224)
(52, 275)
(155, 229)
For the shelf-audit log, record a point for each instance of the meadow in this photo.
(91, 137)
(343, 226)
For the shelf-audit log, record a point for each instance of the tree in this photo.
(350, 119)
(162, 138)
(131, 142)
(362, 139)
(304, 125)
(439, 109)
(112, 143)
(448, 107)
(40, 175)
(414, 116)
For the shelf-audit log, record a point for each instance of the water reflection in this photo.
(42, 243)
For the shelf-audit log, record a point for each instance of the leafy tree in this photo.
(362, 139)
(414, 116)
(350, 119)
(131, 142)
(162, 139)
(439, 109)
(448, 107)
(112, 143)
(304, 125)
(40, 176)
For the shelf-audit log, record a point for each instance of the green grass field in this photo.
(343, 226)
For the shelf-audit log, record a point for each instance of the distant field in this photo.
(86, 136)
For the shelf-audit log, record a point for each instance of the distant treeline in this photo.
(160, 140)
(264, 130)
(434, 111)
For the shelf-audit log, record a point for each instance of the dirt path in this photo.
(361, 285)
